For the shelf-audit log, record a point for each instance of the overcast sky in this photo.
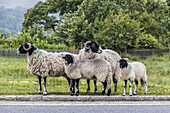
(15, 3)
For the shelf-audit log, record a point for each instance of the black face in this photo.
(123, 63)
(68, 59)
(26, 49)
(94, 47)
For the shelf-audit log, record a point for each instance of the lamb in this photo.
(133, 71)
(88, 69)
(92, 50)
(44, 64)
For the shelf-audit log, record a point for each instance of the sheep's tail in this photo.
(109, 77)
(117, 73)
(142, 83)
(143, 80)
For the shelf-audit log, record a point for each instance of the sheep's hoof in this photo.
(39, 92)
(88, 90)
(145, 93)
(72, 94)
(108, 93)
(134, 93)
(95, 91)
(130, 94)
(44, 93)
(103, 92)
(77, 94)
(123, 94)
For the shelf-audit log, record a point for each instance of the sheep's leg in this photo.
(69, 84)
(73, 84)
(77, 87)
(88, 86)
(115, 83)
(146, 88)
(104, 87)
(130, 87)
(44, 83)
(136, 87)
(125, 83)
(39, 81)
(95, 90)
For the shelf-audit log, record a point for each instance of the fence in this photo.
(12, 52)
(142, 53)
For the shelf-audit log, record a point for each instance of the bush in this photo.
(148, 41)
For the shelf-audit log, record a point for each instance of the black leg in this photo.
(95, 90)
(125, 84)
(136, 87)
(39, 81)
(115, 83)
(88, 86)
(44, 83)
(69, 83)
(108, 92)
(104, 87)
(146, 88)
(77, 87)
(73, 90)
(130, 87)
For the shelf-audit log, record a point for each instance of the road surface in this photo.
(85, 107)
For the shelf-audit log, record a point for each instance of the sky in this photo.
(15, 3)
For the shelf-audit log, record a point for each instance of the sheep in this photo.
(44, 64)
(133, 71)
(88, 69)
(92, 50)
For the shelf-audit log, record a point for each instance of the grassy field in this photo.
(16, 79)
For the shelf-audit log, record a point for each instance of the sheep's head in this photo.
(69, 59)
(123, 62)
(93, 46)
(26, 48)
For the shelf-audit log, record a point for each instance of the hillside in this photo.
(12, 14)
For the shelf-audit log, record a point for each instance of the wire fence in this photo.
(142, 53)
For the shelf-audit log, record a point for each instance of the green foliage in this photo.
(39, 14)
(77, 27)
(116, 24)
(147, 41)
(34, 36)
(118, 31)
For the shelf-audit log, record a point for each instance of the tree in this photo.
(39, 14)
(78, 26)
(44, 13)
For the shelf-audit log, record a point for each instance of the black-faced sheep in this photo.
(92, 50)
(88, 69)
(133, 71)
(44, 64)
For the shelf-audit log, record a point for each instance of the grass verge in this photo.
(15, 78)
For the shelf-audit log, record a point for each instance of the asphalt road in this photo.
(85, 107)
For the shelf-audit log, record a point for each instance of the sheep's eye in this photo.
(93, 45)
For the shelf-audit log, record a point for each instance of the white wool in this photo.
(134, 71)
(111, 56)
(44, 64)
(99, 68)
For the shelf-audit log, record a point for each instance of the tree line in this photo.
(114, 24)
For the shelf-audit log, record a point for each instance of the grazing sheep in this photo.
(92, 50)
(133, 71)
(44, 64)
(90, 69)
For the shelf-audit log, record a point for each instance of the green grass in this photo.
(14, 70)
